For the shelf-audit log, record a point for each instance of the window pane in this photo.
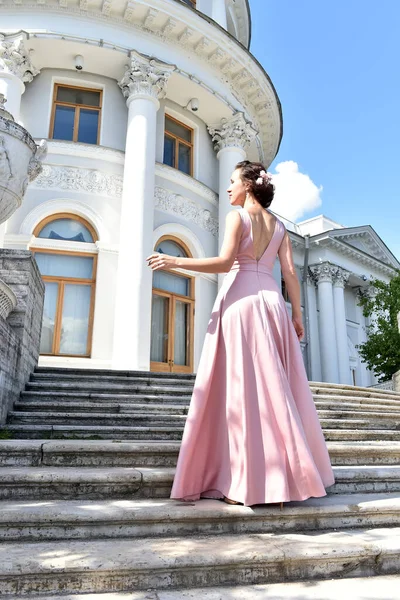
(64, 265)
(171, 283)
(159, 329)
(178, 129)
(49, 317)
(184, 160)
(75, 319)
(169, 151)
(64, 123)
(87, 97)
(66, 229)
(88, 126)
(171, 248)
(181, 333)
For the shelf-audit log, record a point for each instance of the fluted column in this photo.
(340, 279)
(314, 330)
(230, 138)
(324, 274)
(143, 84)
(16, 69)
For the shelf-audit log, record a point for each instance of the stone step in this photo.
(356, 401)
(97, 387)
(378, 587)
(343, 390)
(151, 433)
(97, 407)
(112, 519)
(92, 418)
(98, 432)
(173, 421)
(155, 482)
(96, 566)
(89, 453)
(109, 380)
(356, 407)
(64, 397)
(160, 376)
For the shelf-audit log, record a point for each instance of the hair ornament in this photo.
(265, 178)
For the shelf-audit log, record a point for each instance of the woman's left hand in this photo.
(161, 261)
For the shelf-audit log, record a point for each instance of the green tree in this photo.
(381, 351)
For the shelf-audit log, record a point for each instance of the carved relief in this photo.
(185, 209)
(14, 57)
(145, 76)
(324, 272)
(233, 132)
(341, 277)
(80, 180)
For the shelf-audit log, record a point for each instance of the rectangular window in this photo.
(178, 146)
(76, 114)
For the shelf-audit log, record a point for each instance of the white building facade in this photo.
(147, 106)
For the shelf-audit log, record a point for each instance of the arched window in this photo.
(69, 277)
(172, 319)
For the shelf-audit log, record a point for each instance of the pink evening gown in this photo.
(252, 432)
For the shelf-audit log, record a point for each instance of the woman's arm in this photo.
(292, 283)
(218, 264)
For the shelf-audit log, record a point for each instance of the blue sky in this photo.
(336, 68)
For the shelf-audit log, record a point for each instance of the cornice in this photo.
(352, 252)
(192, 31)
(90, 151)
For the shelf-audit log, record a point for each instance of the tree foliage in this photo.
(381, 351)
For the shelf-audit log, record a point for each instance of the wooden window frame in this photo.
(58, 216)
(169, 366)
(62, 281)
(178, 140)
(192, 3)
(77, 110)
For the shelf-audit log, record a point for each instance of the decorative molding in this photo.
(91, 151)
(188, 182)
(186, 209)
(62, 205)
(233, 132)
(325, 272)
(46, 244)
(341, 277)
(14, 57)
(75, 179)
(145, 76)
(354, 253)
(8, 300)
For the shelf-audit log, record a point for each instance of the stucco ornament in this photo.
(233, 132)
(325, 272)
(186, 209)
(341, 277)
(15, 59)
(20, 162)
(145, 76)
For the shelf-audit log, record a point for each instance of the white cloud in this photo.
(295, 192)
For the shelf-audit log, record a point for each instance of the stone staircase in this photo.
(85, 514)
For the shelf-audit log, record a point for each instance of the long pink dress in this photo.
(252, 432)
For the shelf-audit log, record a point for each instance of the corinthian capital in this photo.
(14, 57)
(341, 277)
(145, 76)
(323, 272)
(234, 132)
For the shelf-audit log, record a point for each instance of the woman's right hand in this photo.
(299, 327)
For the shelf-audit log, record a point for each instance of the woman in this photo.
(252, 435)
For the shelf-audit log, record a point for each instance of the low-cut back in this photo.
(252, 432)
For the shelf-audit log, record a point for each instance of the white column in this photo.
(143, 84)
(230, 139)
(3, 229)
(103, 323)
(219, 12)
(16, 69)
(314, 331)
(339, 282)
(324, 274)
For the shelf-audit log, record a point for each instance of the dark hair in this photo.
(249, 173)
